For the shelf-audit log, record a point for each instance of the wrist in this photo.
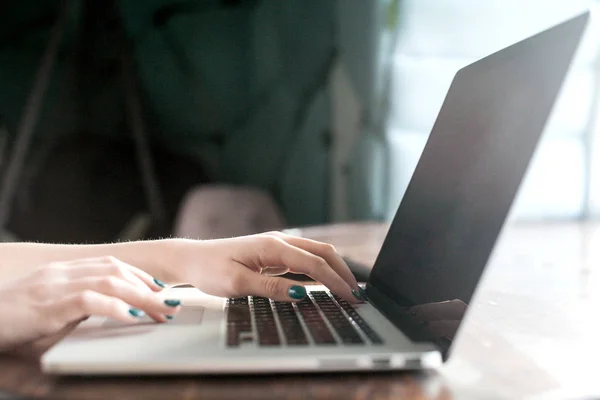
(173, 259)
(163, 259)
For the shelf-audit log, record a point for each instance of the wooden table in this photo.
(531, 333)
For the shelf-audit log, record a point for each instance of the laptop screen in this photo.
(465, 182)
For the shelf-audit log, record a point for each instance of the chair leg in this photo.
(30, 117)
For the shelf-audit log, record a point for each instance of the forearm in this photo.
(154, 257)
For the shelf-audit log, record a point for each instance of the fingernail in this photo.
(172, 302)
(362, 292)
(356, 294)
(135, 312)
(169, 316)
(160, 283)
(297, 292)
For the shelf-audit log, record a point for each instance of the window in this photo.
(438, 37)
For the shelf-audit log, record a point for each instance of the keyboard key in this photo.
(290, 324)
(240, 315)
(315, 323)
(265, 322)
(355, 316)
(238, 320)
(337, 319)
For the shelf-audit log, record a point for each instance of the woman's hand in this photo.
(56, 296)
(59, 295)
(241, 266)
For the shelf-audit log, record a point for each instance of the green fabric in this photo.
(242, 87)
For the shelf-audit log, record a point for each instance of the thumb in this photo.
(278, 289)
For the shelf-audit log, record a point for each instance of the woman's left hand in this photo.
(236, 267)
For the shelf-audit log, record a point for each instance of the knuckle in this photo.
(272, 287)
(317, 264)
(268, 245)
(110, 283)
(271, 242)
(116, 269)
(110, 260)
(321, 263)
(84, 299)
(329, 249)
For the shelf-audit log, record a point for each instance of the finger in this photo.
(107, 266)
(80, 271)
(325, 251)
(155, 284)
(78, 305)
(275, 251)
(279, 289)
(151, 303)
(120, 267)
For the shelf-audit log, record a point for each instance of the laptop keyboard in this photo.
(266, 328)
(321, 318)
(290, 324)
(314, 322)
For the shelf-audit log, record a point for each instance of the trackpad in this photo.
(188, 315)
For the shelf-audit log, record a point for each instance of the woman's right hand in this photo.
(58, 295)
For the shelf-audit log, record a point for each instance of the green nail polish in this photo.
(356, 294)
(136, 312)
(172, 302)
(297, 292)
(363, 293)
(169, 316)
(160, 283)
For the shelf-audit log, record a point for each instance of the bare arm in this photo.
(17, 259)
(211, 265)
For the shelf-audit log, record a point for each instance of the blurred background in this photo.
(123, 119)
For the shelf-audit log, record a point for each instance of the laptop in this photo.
(425, 275)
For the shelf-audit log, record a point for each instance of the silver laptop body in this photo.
(426, 272)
